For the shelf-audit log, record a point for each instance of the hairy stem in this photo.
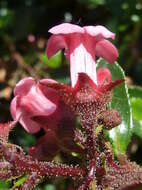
(27, 164)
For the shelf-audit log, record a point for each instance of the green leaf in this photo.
(49, 187)
(4, 185)
(136, 104)
(135, 91)
(137, 128)
(20, 181)
(63, 79)
(54, 62)
(120, 136)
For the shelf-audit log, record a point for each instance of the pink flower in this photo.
(30, 101)
(82, 45)
(35, 106)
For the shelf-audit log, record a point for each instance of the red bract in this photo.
(88, 102)
(82, 45)
(86, 97)
(5, 129)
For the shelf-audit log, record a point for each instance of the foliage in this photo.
(136, 103)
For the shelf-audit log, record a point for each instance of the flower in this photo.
(38, 107)
(82, 45)
(30, 101)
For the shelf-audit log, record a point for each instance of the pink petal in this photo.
(47, 81)
(62, 120)
(82, 57)
(66, 28)
(24, 86)
(103, 76)
(35, 103)
(32, 102)
(50, 93)
(17, 114)
(13, 109)
(29, 125)
(99, 31)
(107, 50)
(54, 44)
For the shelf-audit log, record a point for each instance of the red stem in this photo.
(25, 163)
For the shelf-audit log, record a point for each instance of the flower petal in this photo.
(103, 76)
(24, 86)
(29, 125)
(107, 50)
(99, 31)
(35, 103)
(54, 44)
(19, 115)
(82, 57)
(62, 120)
(13, 109)
(66, 28)
(50, 93)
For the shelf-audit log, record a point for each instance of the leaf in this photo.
(120, 136)
(135, 91)
(4, 185)
(54, 62)
(136, 104)
(20, 181)
(49, 187)
(137, 128)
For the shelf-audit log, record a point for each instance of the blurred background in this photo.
(24, 29)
